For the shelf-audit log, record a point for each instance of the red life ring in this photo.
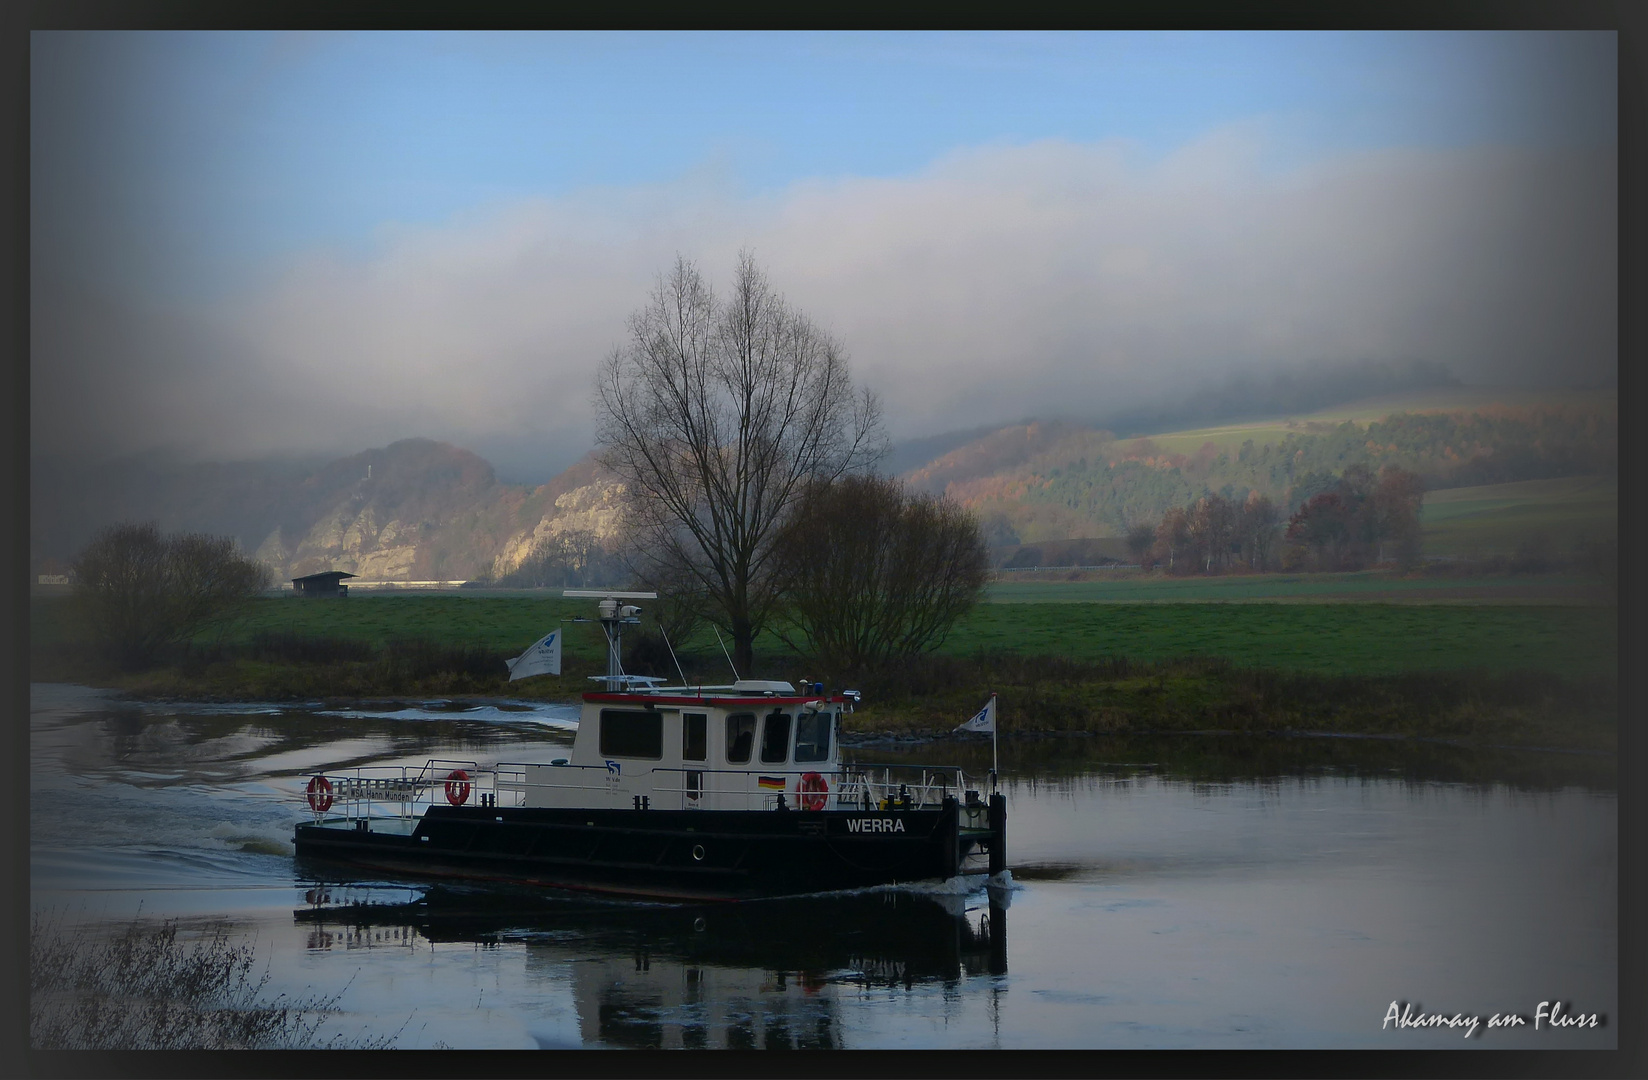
(813, 791)
(320, 794)
(457, 787)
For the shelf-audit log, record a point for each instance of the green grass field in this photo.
(1377, 586)
(1323, 638)
(1042, 619)
(1500, 518)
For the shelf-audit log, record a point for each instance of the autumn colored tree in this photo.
(1395, 504)
(1324, 527)
(1212, 528)
(1173, 541)
(1256, 526)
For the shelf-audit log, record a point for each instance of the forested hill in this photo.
(423, 510)
(1036, 482)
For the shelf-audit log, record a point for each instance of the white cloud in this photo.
(1002, 281)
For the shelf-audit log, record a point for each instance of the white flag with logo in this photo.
(985, 720)
(542, 657)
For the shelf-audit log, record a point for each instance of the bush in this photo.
(139, 592)
(874, 575)
(407, 661)
(286, 646)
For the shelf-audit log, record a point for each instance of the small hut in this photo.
(329, 583)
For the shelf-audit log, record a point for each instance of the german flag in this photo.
(772, 783)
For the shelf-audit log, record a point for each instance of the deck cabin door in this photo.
(695, 747)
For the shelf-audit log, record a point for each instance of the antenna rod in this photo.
(671, 649)
(724, 652)
(615, 663)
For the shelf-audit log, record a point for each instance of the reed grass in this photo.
(144, 986)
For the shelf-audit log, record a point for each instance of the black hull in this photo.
(916, 937)
(663, 854)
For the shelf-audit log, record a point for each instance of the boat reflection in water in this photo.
(756, 974)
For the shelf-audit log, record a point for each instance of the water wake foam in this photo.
(561, 717)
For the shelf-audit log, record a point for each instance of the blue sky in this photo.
(232, 147)
(182, 177)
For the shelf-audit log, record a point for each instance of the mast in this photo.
(613, 619)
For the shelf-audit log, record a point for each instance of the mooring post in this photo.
(998, 937)
(952, 827)
(998, 833)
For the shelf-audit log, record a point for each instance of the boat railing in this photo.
(735, 789)
(369, 791)
(846, 787)
(670, 788)
(510, 779)
(405, 791)
(881, 786)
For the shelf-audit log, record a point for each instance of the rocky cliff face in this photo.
(585, 498)
(416, 510)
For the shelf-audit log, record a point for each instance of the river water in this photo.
(1190, 892)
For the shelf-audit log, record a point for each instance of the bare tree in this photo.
(1394, 506)
(1257, 522)
(139, 591)
(679, 609)
(1172, 539)
(876, 574)
(1212, 524)
(717, 415)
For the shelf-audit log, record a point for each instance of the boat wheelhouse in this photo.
(754, 745)
(684, 792)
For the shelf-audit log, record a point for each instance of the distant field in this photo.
(1439, 399)
(1125, 587)
(1500, 517)
(1362, 639)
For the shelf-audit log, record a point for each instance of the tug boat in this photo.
(682, 793)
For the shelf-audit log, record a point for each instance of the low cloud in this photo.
(1001, 282)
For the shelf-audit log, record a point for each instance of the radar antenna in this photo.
(614, 617)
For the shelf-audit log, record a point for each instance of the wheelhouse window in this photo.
(740, 738)
(626, 734)
(695, 741)
(812, 736)
(775, 738)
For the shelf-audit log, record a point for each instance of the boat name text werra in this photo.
(874, 824)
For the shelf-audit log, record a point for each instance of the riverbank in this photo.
(1046, 695)
(1505, 675)
(1036, 695)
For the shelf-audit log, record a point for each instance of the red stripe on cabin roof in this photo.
(601, 697)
